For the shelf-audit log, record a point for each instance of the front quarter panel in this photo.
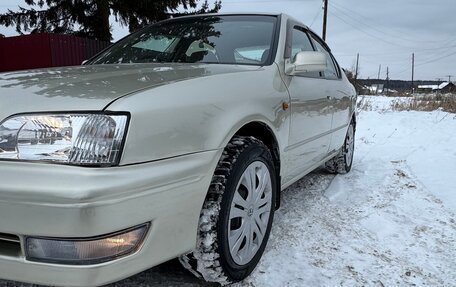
(202, 114)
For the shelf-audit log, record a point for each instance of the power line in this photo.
(430, 59)
(367, 33)
(358, 27)
(399, 35)
(403, 71)
(424, 63)
(436, 59)
(403, 52)
(316, 16)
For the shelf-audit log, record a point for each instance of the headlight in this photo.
(78, 139)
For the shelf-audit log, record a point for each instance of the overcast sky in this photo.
(384, 32)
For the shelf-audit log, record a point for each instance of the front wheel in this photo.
(342, 162)
(237, 215)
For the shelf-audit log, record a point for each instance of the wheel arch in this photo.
(354, 119)
(265, 134)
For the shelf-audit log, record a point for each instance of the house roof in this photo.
(444, 85)
(435, 87)
(431, 87)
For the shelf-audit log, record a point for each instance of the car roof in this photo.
(282, 15)
(187, 17)
(234, 14)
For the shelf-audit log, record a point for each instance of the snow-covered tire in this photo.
(213, 257)
(342, 162)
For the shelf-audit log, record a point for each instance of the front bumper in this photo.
(67, 202)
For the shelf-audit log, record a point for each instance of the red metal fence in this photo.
(46, 50)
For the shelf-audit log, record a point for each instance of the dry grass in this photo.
(401, 94)
(432, 102)
(364, 105)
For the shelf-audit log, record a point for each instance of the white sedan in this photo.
(174, 142)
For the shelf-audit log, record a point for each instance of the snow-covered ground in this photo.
(390, 222)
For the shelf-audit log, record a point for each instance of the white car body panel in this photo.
(182, 117)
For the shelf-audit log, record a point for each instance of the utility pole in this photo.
(357, 66)
(378, 78)
(325, 19)
(413, 72)
(387, 80)
(449, 78)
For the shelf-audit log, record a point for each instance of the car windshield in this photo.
(206, 39)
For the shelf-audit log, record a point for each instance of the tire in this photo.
(233, 209)
(343, 161)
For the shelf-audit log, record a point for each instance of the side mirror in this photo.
(307, 61)
(84, 62)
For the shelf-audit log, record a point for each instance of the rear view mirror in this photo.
(307, 61)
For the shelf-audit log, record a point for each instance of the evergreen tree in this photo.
(90, 18)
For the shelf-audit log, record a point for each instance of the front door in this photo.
(311, 114)
(340, 94)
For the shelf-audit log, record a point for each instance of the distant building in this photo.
(375, 88)
(446, 87)
(427, 88)
(45, 51)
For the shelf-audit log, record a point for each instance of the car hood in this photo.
(85, 88)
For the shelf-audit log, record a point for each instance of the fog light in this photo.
(86, 251)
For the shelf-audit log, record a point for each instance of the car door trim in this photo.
(293, 146)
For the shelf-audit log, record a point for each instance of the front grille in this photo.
(9, 238)
(10, 245)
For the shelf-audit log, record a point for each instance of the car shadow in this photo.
(167, 274)
(171, 273)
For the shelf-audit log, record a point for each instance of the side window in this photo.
(331, 71)
(300, 42)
